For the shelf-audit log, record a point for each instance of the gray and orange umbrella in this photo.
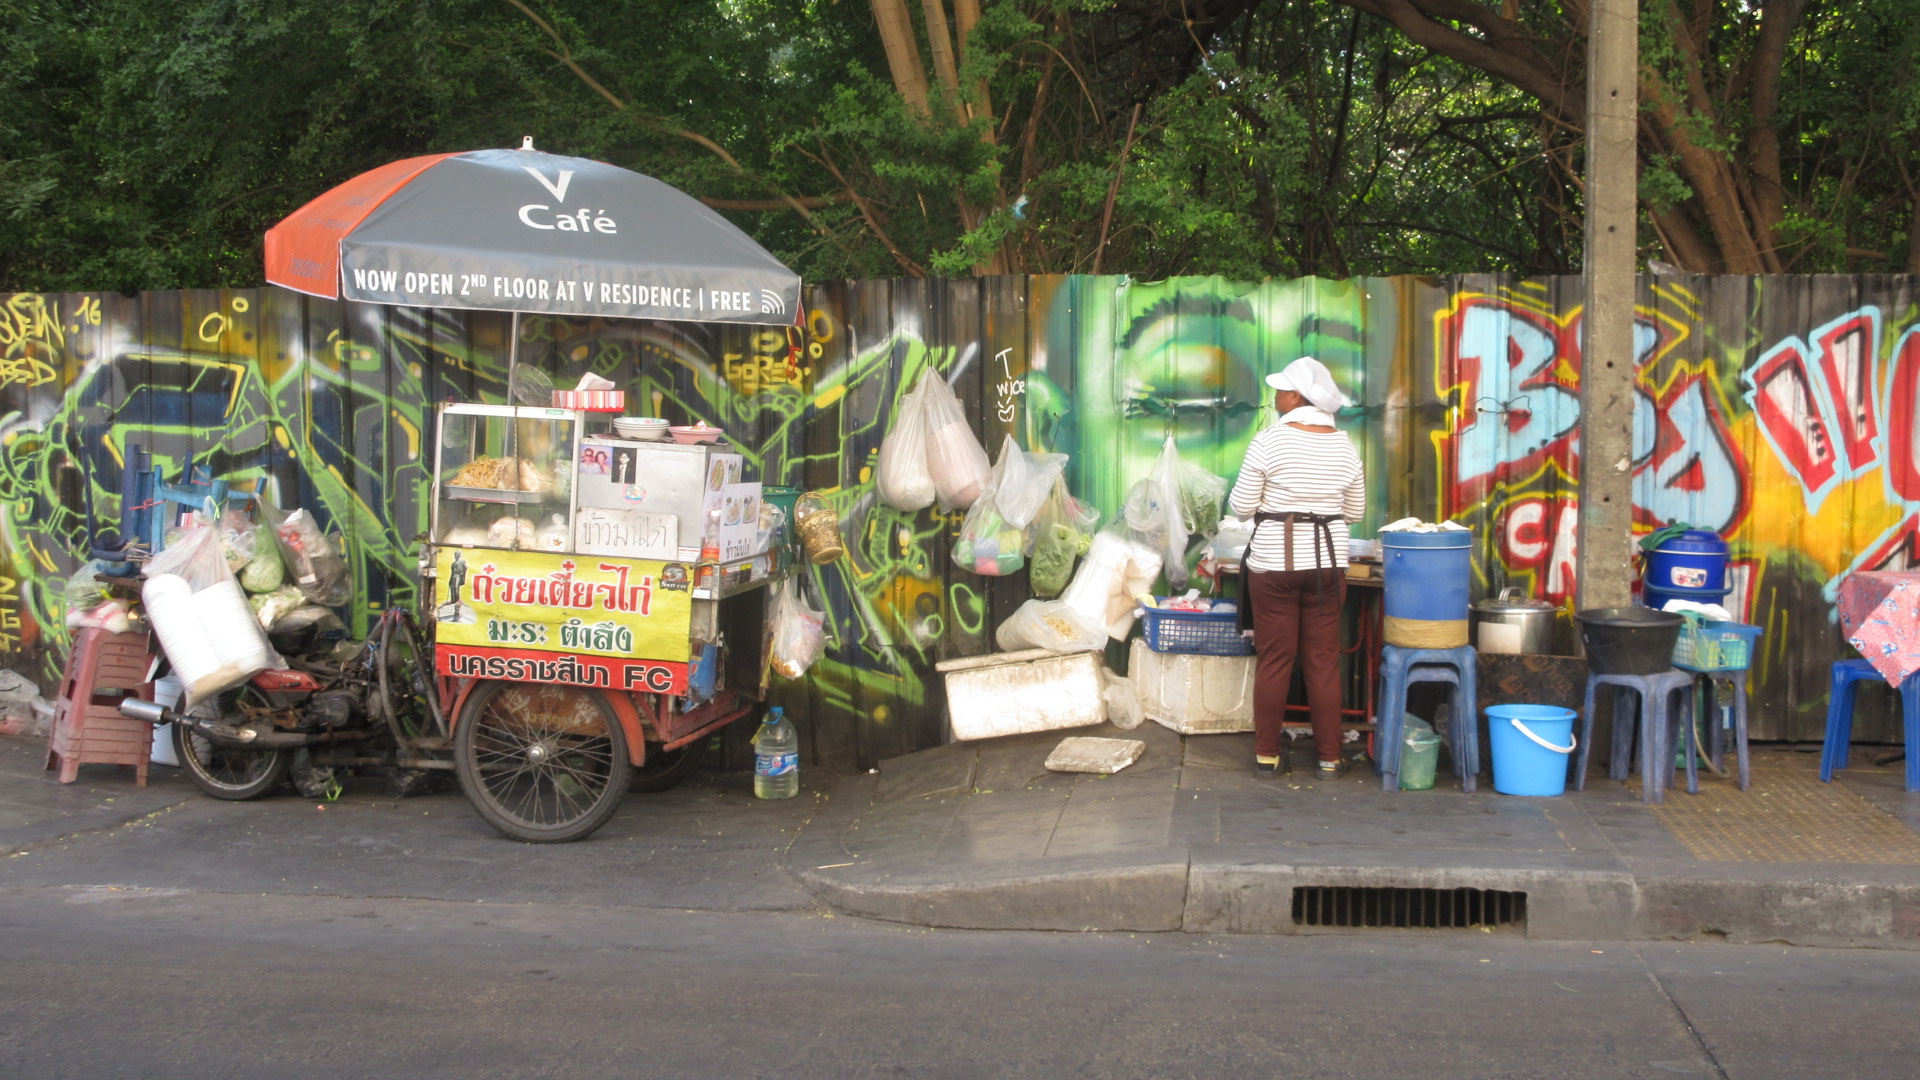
(526, 231)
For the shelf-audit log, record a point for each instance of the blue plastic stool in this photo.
(1833, 752)
(1656, 716)
(1401, 668)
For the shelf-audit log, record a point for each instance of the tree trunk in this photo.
(903, 52)
(940, 41)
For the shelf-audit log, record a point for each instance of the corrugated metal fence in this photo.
(1778, 411)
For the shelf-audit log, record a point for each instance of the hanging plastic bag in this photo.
(237, 534)
(1049, 624)
(799, 632)
(955, 459)
(1022, 481)
(83, 592)
(206, 628)
(1171, 503)
(1062, 532)
(987, 544)
(312, 561)
(266, 571)
(900, 474)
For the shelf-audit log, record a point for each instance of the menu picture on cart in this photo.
(586, 620)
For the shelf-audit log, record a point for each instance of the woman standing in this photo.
(1302, 484)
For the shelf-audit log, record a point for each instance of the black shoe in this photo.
(1266, 771)
(1332, 770)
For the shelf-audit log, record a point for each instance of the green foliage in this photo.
(152, 142)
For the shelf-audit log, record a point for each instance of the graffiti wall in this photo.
(1778, 411)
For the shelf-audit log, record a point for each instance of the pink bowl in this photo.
(687, 435)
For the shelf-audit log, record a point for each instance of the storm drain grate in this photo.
(1430, 909)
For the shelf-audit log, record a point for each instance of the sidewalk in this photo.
(981, 835)
(35, 808)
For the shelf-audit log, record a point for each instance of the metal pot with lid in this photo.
(1511, 623)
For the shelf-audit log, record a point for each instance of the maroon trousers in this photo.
(1296, 617)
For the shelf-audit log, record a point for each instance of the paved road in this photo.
(384, 939)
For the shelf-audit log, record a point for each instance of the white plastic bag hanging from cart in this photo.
(955, 459)
(205, 626)
(900, 474)
(799, 632)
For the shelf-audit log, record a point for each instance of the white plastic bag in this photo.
(1171, 503)
(955, 459)
(1124, 710)
(900, 474)
(1023, 480)
(799, 632)
(1049, 624)
(1119, 565)
(206, 628)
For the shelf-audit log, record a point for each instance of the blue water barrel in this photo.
(1427, 578)
(1690, 566)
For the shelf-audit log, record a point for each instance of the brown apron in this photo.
(1321, 523)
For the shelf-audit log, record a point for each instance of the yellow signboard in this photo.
(589, 620)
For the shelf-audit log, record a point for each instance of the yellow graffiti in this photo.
(30, 334)
(89, 311)
(9, 614)
(240, 305)
(749, 375)
(214, 325)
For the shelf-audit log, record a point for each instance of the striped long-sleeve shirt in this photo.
(1287, 469)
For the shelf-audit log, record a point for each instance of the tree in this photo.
(1771, 139)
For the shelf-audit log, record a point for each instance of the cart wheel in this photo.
(542, 762)
(407, 694)
(227, 772)
(664, 769)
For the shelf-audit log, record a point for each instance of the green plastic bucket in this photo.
(1419, 758)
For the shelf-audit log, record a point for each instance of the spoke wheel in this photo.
(541, 762)
(226, 772)
(664, 769)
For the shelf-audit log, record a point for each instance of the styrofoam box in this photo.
(1016, 692)
(1193, 695)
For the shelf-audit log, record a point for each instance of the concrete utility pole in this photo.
(1605, 536)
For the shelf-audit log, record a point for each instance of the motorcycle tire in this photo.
(541, 762)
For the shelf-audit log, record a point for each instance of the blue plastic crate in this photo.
(1714, 646)
(1209, 633)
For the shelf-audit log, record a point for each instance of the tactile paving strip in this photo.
(1786, 818)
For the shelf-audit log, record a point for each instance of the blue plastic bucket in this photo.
(1426, 575)
(1692, 565)
(1531, 746)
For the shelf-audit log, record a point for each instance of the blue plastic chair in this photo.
(1655, 714)
(1847, 675)
(1401, 668)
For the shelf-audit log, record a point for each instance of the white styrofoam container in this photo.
(1016, 692)
(1193, 695)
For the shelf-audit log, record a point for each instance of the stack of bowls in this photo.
(696, 433)
(644, 428)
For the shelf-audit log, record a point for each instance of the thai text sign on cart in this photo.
(585, 620)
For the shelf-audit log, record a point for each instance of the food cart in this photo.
(596, 601)
(597, 606)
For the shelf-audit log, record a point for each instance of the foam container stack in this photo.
(1193, 694)
(1017, 692)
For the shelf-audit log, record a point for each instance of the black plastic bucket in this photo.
(1628, 640)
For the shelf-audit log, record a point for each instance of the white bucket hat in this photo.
(1311, 379)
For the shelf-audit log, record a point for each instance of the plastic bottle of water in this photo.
(776, 757)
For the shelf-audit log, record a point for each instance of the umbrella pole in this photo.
(513, 358)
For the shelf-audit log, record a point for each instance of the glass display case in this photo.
(504, 477)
